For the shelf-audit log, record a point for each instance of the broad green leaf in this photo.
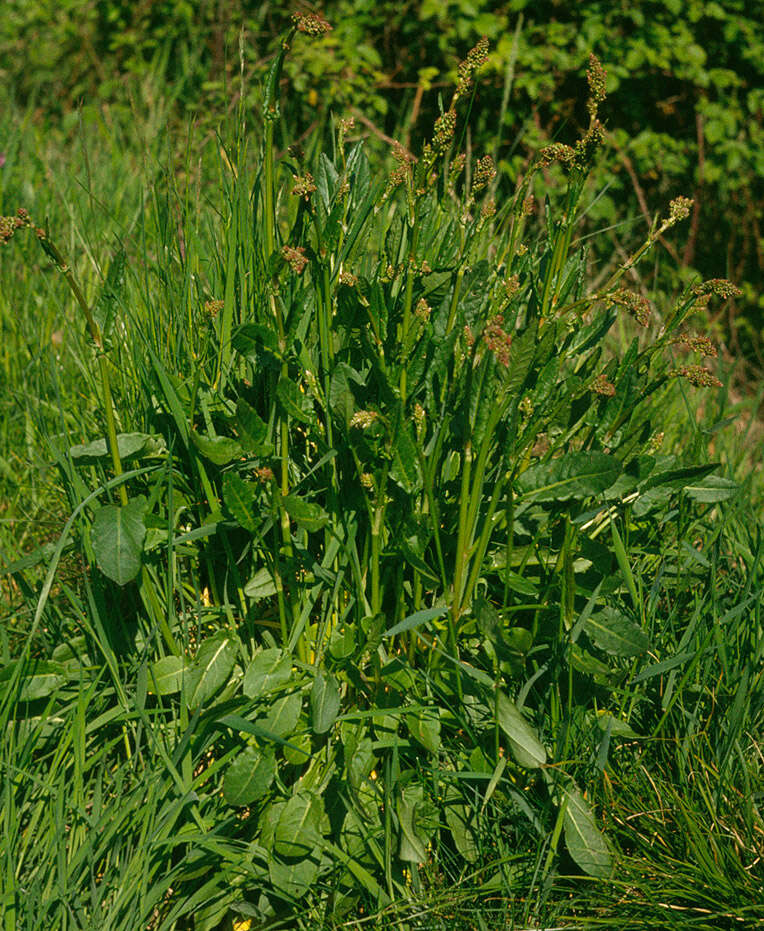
(298, 830)
(585, 842)
(220, 450)
(342, 642)
(294, 879)
(324, 702)
(211, 668)
(269, 670)
(405, 469)
(117, 535)
(713, 488)
(281, 720)
(617, 726)
(130, 446)
(249, 776)
(459, 819)
(239, 498)
(307, 514)
(527, 749)
(293, 402)
(613, 632)
(166, 674)
(250, 339)
(298, 750)
(575, 475)
(261, 585)
(253, 430)
(418, 819)
(40, 679)
(424, 726)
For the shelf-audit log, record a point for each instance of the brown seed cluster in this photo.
(423, 310)
(264, 474)
(596, 77)
(475, 58)
(295, 258)
(311, 24)
(633, 303)
(484, 174)
(304, 185)
(213, 307)
(498, 340)
(721, 287)
(679, 209)
(701, 344)
(601, 385)
(363, 419)
(698, 376)
(348, 279)
(445, 127)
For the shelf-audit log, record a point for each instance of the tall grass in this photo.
(375, 586)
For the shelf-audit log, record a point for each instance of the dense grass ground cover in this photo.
(370, 557)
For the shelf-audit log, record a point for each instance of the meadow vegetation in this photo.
(376, 550)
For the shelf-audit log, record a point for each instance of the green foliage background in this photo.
(685, 84)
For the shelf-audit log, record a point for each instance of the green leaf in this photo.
(252, 338)
(418, 819)
(713, 488)
(424, 726)
(249, 776)
(130, 446)
(415, 620)
(239, 498)
(40, 679)
(575, 475)
(294, 879)
(220, 450)
(405, 468)
(253, 431)
(166, 675)
(261, 585)
(298, 831)
(615, 633)
(585, 842)
(527, 749)
(211, 668)
(117, 535)
(309, 516)
(459, 819)
(281, 720)
(293, 402)
(269, 670)
(324, 702)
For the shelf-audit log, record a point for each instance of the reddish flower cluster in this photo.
(304, 185)
(214, 307)
(701, 344)
(601, 385)
(475, 58)
(498, 340)
(596, 77)
(311, 24)
(295, 258)
(633, 303)
(721, 287)
(698, 376)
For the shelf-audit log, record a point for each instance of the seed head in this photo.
(363, 419)
(475, 58)
(311, 24)
(721, 287)
(445, 126)
(264, 474)
(295, 258)
(423, 310)
(601, 385)
(213, 307)
(633, 303)
(701, 344)
(485, 173)
(348, 279)
(498, 340)
(697, 375)
(596, 76)
(304, 185)
(557, 152)
(679, 209)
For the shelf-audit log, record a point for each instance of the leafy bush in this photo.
(359, 600)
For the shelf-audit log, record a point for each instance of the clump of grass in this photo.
(380, 602)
